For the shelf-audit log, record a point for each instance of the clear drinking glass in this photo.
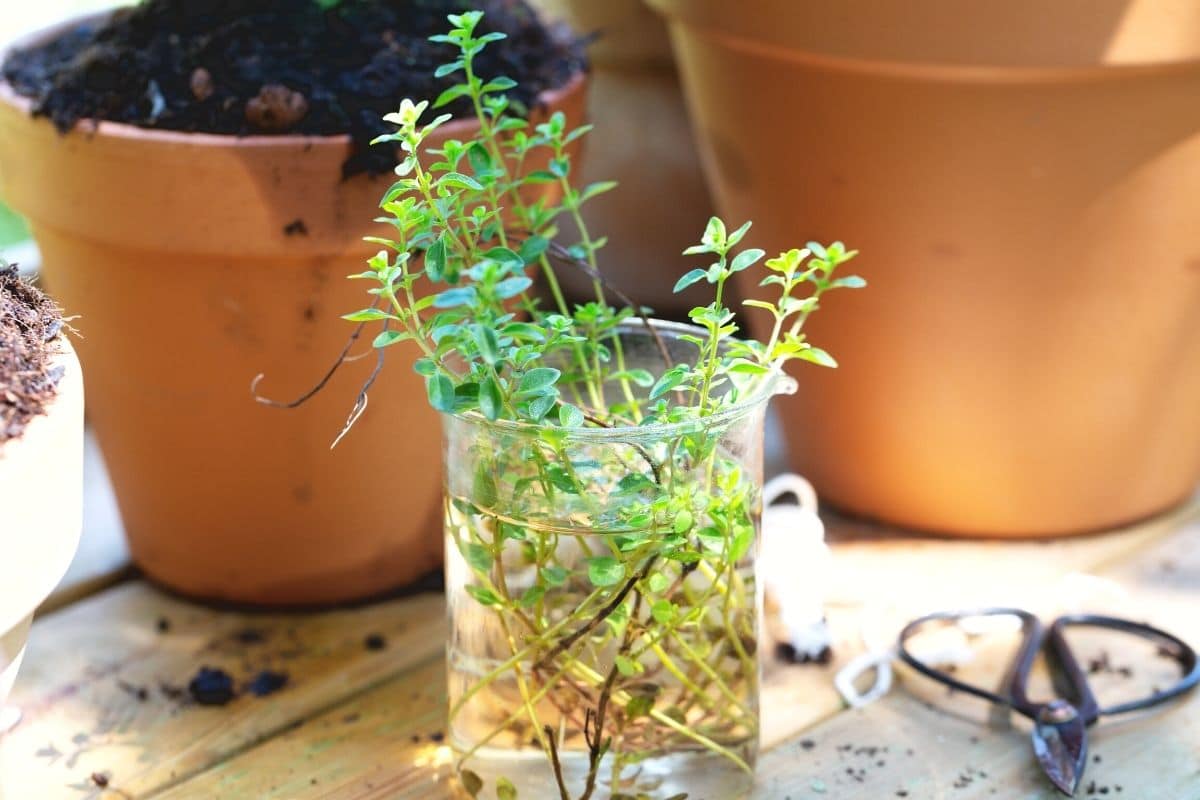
(603, 605)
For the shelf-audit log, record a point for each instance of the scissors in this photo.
(1060, 725)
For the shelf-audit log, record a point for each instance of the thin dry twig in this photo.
(342, 358)
(360, 402)
(558, 773)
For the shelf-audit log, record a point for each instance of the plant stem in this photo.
(604, 613)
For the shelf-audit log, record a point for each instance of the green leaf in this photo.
(737, 235)
(532, 595)
(448, 69)
(582, 130)
(658, 582)
(634, 482)
(663, 611)
(494, 36)
(532, 248)
(605, 571)
(688, 279)
(441, 392)
(459, 180)
(743, 537)
(555, 575)
(817, 249)
(560, 167)
(478, 556)
(368, 315)
(848, 282)
(798, 305)
(524, 331)
(597, 188)
(486, 342)
(669, 380)
(538, 380)
(458, 296)
(714, 234)
(746, 258)
(505, 789)
(817, 356)
(570, 416)
(451, 94)
(683, 521)
(479, 158)
(490, 401)
(514, 532)
(641, 377)
(540, 405)
(639, 705)
(482, 594)
(743, 367)
(435, 260)
(388, 338)
(505, 258)
(626, 666)
(561, 479)
(425, 367)
(501, 84)
(511, 287)
(483, 487)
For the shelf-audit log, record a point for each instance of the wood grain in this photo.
(79, 690)
(356, 724)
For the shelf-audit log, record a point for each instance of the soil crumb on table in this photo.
(211, 687)
(280, 66)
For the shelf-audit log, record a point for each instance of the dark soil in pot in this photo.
(29, 324)
(279, 66)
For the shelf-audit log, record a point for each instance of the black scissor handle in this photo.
(1031, 644)
(1071, 680)
(1169, 644)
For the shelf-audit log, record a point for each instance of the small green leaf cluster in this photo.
(473, 223)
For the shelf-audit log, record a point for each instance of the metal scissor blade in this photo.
(1060, 743)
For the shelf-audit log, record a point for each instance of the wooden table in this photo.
(104, 718)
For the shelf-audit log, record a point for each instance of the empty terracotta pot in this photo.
(1021, 178)
(199, 261)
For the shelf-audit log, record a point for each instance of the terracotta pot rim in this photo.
(943, 72)
(124, 130)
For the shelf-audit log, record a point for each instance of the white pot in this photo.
(41, 511)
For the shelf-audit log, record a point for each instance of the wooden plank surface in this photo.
(80, 688)
(939, 745)
(357, 723)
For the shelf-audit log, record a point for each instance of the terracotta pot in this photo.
(642, 140)
(41, 511)
(1021, 179)
(199, 261)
